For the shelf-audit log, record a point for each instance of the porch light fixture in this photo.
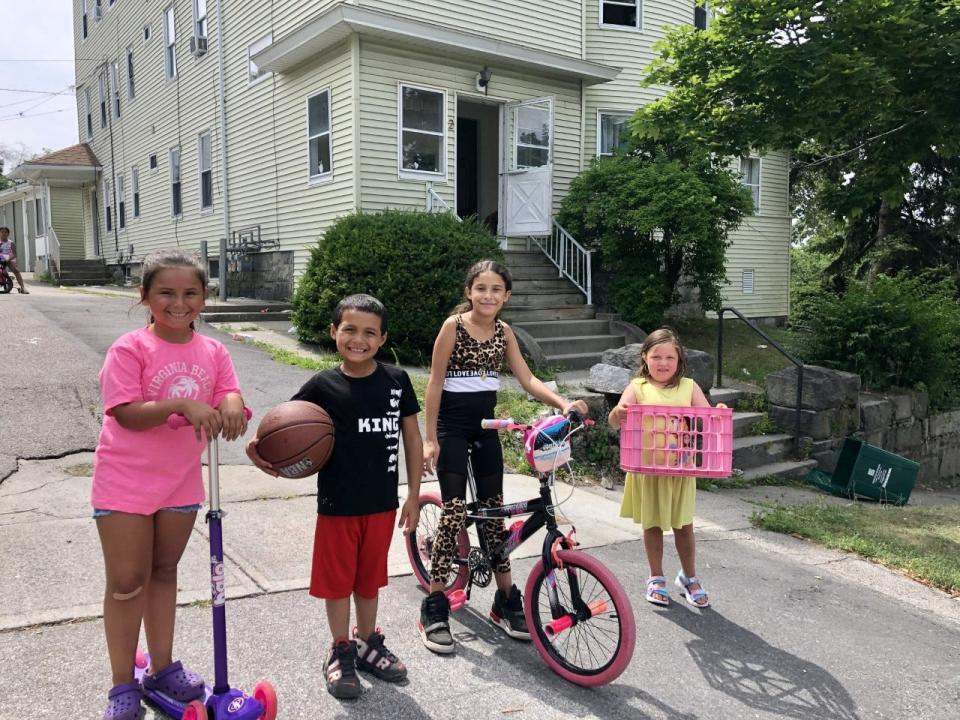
(483, 79)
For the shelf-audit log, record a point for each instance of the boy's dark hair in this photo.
(661, 336)
(362, 303)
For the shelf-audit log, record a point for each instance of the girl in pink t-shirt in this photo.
(147, 481)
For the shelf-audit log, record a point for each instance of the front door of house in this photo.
(527, 177)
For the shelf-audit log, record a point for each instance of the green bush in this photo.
(414, 262)
(893, 332)
(808, 281)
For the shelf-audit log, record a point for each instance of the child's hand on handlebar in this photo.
(577, 406)
(203, 418)
(233, 416)
(254, 456)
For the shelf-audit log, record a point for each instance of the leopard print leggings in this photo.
(452, 518)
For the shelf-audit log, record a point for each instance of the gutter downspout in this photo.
(223, 157)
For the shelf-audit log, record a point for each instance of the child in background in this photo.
(147, 481)
(464, 379)
(659, 503)
(8, 254)
(371, 405)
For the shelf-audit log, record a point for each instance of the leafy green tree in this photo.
(864, 92)
(659, 214)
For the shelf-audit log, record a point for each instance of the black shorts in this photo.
(458, 430)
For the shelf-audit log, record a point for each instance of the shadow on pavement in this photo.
(740, 664)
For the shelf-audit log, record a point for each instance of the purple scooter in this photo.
(221, 701)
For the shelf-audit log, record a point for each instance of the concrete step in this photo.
(743, 422)
(522, 258)
(92, 274)
(728, 395)
(533, 272)
(581, 343)
(77, 282)
(546, 299)
(82, 264)
(236, 317)
(565, 328)
(574, 361)
(785, 470)
(542, 285)
(756, 450)
(519, 314)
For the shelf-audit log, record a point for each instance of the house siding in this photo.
(66, 217)
(383, 68)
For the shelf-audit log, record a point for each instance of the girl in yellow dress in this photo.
(660, 502)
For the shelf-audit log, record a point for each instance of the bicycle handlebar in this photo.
(510, 424)
(175, 421)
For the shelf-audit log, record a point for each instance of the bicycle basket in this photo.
(546, 444)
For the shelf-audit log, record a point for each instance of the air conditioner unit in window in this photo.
(198, 46)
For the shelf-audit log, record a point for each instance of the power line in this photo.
(68, 91)
(20, 116)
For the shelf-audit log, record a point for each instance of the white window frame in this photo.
(402, 172)
(131, 91)
(86, 94)
(115, 93)
(205, 168)
(748, 282)
(40, 216)
(135, 190)
(327, 175)
(170, 43)
(255, 47)
(201, 28)
(147, 32)
(707, 14)
(153, 168)
(625, 114)
(121, 202)
(758, 193)
(638, 4)
(176, 186)
(102, 85)
(98, 10)
(107, 206)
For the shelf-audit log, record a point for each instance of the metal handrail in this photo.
(52, 234)
(788, 356)
(572, 259)
(433, 199)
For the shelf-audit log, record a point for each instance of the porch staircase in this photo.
(551, 313)
(84, 272)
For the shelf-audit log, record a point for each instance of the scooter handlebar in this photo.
(176, 421)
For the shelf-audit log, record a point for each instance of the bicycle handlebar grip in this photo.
(176, 421)
(496, 424)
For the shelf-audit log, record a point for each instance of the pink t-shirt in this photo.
(142, 471)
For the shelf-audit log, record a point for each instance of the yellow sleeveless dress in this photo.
(660, 500)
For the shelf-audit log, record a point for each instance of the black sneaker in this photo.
(434, 625)
(341, 671)
(507, 614)
(373, 657)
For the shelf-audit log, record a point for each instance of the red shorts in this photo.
(350, 554)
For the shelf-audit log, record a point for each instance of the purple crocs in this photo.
(175, 682)
(124, 702)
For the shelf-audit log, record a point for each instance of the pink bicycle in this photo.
(580, 618)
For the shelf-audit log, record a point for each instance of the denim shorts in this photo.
(97, 512)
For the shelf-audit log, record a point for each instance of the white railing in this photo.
(571, 258)
(435, 203)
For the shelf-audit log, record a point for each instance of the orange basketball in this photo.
(296, 437)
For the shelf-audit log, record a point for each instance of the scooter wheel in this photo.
(196, 710)
(141, 660)
(264, 693)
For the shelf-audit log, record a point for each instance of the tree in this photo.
(659, 214)
(863, 92)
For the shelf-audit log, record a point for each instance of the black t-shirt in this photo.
(361, 476)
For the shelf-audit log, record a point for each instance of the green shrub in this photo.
(893, 332)
(808, 281)
(414, 262)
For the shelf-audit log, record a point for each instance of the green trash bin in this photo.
(867, 471)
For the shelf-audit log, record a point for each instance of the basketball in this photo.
(296, 437)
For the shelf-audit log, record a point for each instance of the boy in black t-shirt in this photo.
(371, 406)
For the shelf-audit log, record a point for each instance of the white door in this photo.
(527, 176)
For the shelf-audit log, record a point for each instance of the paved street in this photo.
(796, 631)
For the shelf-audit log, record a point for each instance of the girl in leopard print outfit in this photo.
(464, 379)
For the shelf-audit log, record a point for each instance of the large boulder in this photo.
(823, 388)
(700, 365)
(608, 379)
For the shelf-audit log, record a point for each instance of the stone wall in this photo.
(264, 276)
(833, 407)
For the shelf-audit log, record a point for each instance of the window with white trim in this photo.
(131, 91)
(102, 82)
(255, 73)
(746, 282)
(107, 206)
(622, 13)
(153, 162)
(83, 20)
(97, 9)
(170, 43)
(121, 202)
(86, 94)
(750, 179)
(318, 135)
(206, 171)
(611, 128)
(422, 130)
(147, 32)
(115, 83)
(200, 18)
(135, 187)
(41, 216)
(176, 196)
(701, 14)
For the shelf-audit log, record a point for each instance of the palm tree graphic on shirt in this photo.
(184, 387)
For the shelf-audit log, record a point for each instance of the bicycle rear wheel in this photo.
(593, 651)
(420, 545)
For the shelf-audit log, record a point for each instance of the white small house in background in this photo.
(263, 134)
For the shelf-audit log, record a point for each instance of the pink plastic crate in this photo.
(669, 440)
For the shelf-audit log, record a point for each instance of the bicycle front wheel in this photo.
(420, 545)
(590, 652)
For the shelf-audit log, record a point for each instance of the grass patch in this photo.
(737, 482)
(288, 357)
(80, 470)
(922, 542)
(743, 358)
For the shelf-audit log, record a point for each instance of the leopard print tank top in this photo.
(474, 365)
